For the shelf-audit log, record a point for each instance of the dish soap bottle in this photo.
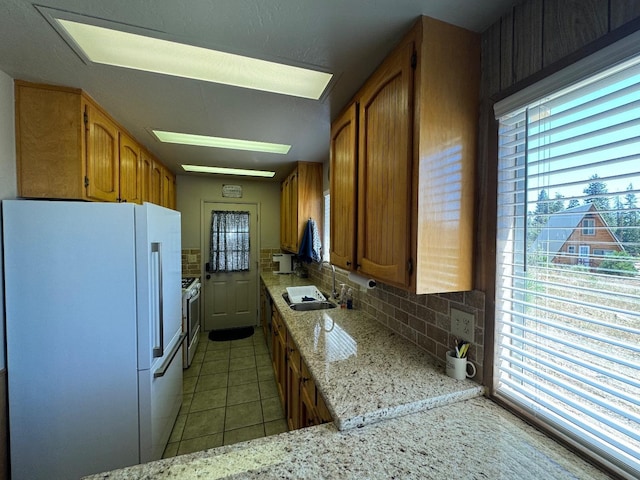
(343, 294)
(349, 299)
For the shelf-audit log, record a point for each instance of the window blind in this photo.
(568, 264)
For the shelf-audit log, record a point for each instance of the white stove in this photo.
(190, 318)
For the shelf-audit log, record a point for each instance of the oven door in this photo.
(192, 327)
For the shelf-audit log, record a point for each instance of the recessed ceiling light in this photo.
(228, 171)
(219, 142)
(140, 52)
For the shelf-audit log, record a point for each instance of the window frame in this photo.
(589, 226)
(589, 66)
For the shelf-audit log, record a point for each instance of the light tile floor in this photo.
(229, 396)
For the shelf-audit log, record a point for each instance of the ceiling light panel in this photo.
(139, 52)
(228, 171)
(220, 142)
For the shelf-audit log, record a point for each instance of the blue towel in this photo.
(310, 247)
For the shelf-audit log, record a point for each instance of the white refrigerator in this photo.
(94, 334)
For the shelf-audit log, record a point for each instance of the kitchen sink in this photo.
(308, 305)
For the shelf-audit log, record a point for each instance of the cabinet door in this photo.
(102, 156)
(278, 349)
(289, 213)
(308, 413)
(50, 142)
(293, 385)
(168, 189)
(156, 183)
(146, 166)
(130, 172)
(343, 171)
(384, 170)
(285, 212)
(294, 237)
(324, 415)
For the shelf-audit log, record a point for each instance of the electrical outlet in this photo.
(462, 325)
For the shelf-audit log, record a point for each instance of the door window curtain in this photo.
(568, 265)
(229, 242)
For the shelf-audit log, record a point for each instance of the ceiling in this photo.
(346, 37)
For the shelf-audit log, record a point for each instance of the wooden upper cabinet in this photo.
(343, 187)
(50, 142)
(130, 170)
(384, 169)
(157, 176)
(443, 226)
(102, 181)
(67, 147)
(416, 137)
(162, 185)
(294, 227)
(146, 166)
(168, 189)
(301, 199)
(285, 215)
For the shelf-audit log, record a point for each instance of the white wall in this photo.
(193, 190)
(7, 174)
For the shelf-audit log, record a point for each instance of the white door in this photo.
(583, 255)
(230, 298)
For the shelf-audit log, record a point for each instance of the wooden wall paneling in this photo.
(506, 50)
(527, 38)
(571, 24)
(622, 11)
(490, 80)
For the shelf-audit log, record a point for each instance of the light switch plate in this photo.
(462, 325)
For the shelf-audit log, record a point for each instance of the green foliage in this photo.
(539, 217)
(618, 263)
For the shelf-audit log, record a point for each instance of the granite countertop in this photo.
(468, 439)
(365, 371)
(368, 374)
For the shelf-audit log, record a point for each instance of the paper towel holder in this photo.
(363, 282)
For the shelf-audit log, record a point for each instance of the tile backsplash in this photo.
(266, 260)
(424, 320)
(191, 262)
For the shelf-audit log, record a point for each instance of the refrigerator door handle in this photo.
(162, 370)
(158, 351)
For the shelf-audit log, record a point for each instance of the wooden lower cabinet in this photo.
(301, 401)
(313, 410)
(278, 352)
(293, 385)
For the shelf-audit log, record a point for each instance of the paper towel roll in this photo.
(362, 281)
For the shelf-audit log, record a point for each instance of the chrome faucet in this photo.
(334, 292)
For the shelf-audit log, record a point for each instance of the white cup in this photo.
(458, 368)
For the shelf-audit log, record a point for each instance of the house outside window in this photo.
(567, 335)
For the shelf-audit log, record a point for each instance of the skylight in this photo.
(140, 52)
